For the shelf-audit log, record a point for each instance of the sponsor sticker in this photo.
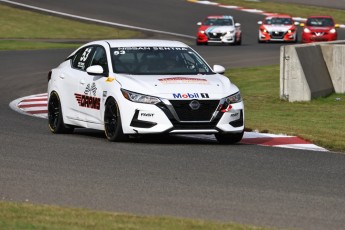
(190, 95)
(87, 100)
(183, 80)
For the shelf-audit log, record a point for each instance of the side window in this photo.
(82, 58)
(100, 58)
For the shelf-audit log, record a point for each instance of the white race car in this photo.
(133, 87)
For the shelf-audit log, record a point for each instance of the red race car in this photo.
(280, 28)
(319, 28)
(219, 29)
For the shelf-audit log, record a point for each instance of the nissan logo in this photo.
(194, 105)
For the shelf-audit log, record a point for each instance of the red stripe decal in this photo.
(274, 141)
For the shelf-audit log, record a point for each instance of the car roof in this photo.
(279, 16)
(144, 42)
(219, 16)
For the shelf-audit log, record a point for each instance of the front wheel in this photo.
(55, 118)
(112, 122)
(229, 138)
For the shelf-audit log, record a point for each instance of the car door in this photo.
(93, 89)
(80, 62)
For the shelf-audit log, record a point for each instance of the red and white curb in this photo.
(256, 11)
(36, 105)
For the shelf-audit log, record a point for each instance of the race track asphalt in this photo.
(179, 176)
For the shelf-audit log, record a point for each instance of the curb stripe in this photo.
(31, 105)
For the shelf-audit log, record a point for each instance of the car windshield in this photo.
(278, 21)
(218, 22)
(320, 22)
(158, 61)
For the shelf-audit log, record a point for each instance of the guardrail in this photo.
(313, 70)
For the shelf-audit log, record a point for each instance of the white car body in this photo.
(188, 103)
(219, 29)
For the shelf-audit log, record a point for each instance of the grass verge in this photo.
(320, 121)
(27, 216)
(295, 10)
(23, 24)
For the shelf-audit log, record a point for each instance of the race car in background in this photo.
(319, 28)
(279, 28)
(137, 87)
(219, 29)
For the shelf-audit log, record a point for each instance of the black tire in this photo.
(55, 118)
(229, 138)
(112, 122)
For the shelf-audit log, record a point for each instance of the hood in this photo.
(217, 29)
(279, 28)
(214, 86)
(319, 28)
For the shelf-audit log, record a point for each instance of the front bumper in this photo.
(311, 37)
(175, 116)
(277, 36)
(216, 38)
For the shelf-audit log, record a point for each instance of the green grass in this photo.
(22, 24)
(295, 10)
(31, 45)
(320, 121)
(27, 216)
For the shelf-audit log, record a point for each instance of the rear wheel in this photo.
(55, 118)
(112, 122)
(229, 138)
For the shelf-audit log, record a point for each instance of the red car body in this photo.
(319, 28)
(279, 28)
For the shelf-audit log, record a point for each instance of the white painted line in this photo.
(96, 20)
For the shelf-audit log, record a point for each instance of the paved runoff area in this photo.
(36, 105)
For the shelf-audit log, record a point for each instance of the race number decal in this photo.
(85, 54)
(119, 52)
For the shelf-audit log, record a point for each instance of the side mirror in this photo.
(237, 24)
(218, 69)
(259, 22)
(199, 23)
(95, 70)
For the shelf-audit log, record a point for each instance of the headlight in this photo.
(306, 30)
(332, 31)
(230, 32)
(235, 98)
(139, 98)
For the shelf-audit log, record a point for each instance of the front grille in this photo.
(185, 113)
(277, 35)
(214, 35)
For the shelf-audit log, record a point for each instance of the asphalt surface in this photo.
(179, 176)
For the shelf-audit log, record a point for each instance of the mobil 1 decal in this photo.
(190, 95)
(89, 99)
